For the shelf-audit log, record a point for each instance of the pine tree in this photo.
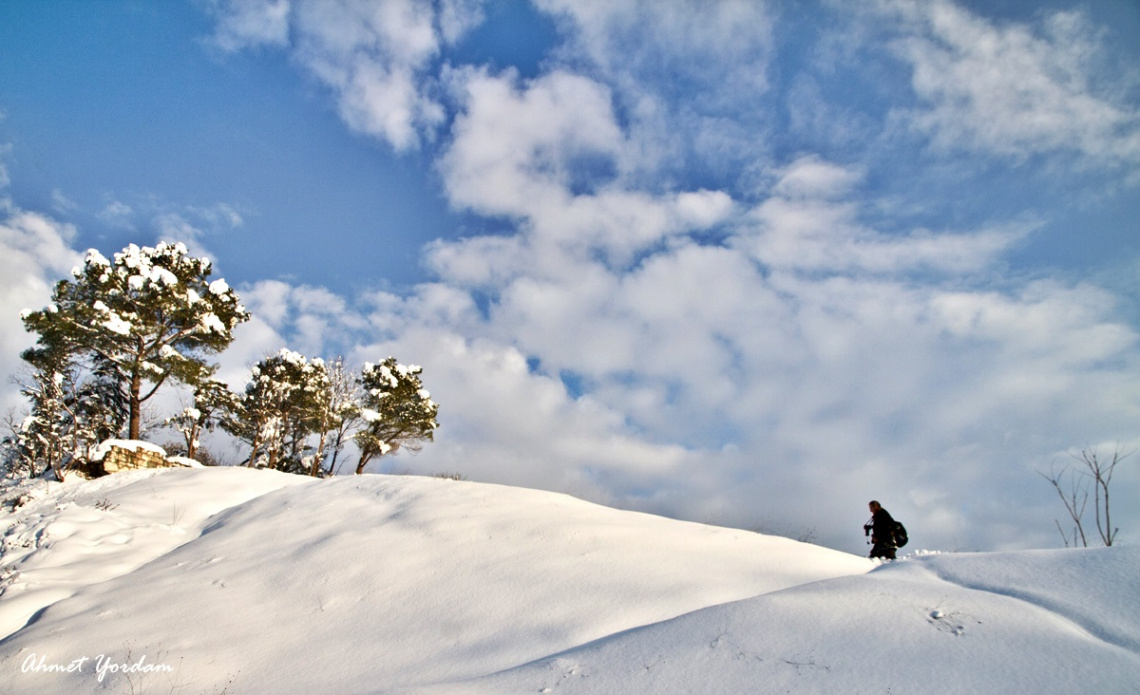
(146, 317)
(46, 436)
(396, 409)
(283, 405)
(74, 407)
(213, 403)
(339, 419)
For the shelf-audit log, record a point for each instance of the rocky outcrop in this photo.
(116, 455)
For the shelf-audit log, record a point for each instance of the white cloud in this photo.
(704, 209)
(117, 214)
(61, 203)
(813, 177)
(816, 342)
(811, 223)
(503, 423)
(35, 252)
(250, 23)
(375, 55)
(5, 152)
(1013, 89)
(689, 75)
(722, 48)
(524, 151)
(457, 17)
(830, 390)
(810, 339)
(191, 225)
(514, 149)
(477, 263)
(311, 320)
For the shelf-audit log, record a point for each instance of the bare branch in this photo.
(1101, 474)
(1075, 501)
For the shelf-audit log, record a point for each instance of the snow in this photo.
(211, 323)
(116, 324)
(239, 580)
(85, 533)
(95, 258)
(113, 322)
(125, 444)
(162, 276)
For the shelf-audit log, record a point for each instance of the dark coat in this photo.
(883, 528)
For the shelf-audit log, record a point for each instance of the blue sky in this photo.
(743, 262)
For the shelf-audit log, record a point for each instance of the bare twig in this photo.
(1075, 501)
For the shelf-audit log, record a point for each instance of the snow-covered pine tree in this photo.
(46, 436)
(149, 315)
(100, 406)
(282, 407)
(213, 403)
(396, 409)
(339, 419)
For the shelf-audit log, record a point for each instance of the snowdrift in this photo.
(240, 581)
(1067, 623)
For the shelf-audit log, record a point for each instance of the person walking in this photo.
(881, 529)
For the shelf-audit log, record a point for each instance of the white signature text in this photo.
(101, 666)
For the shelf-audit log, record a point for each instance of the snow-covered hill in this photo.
(240, 581)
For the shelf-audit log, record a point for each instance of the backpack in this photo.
(900, 535)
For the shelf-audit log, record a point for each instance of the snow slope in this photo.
(945, 624)
(240, 581)
(76, 535)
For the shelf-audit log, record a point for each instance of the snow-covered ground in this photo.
(239, 581)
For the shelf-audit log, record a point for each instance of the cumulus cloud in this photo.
(374, 56)
(515, 150)
(309, 320)
(799, 349)
(826, 348)
(546, 153)
(705, 384)
(689, 76)
(811, 223)
(117, 214)
(552, 440)
(1014, 90)
(250, 23)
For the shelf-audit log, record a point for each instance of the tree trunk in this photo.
(192, 440)
(135, 405)
(363, 462)
(253, 451)
(319, 455)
